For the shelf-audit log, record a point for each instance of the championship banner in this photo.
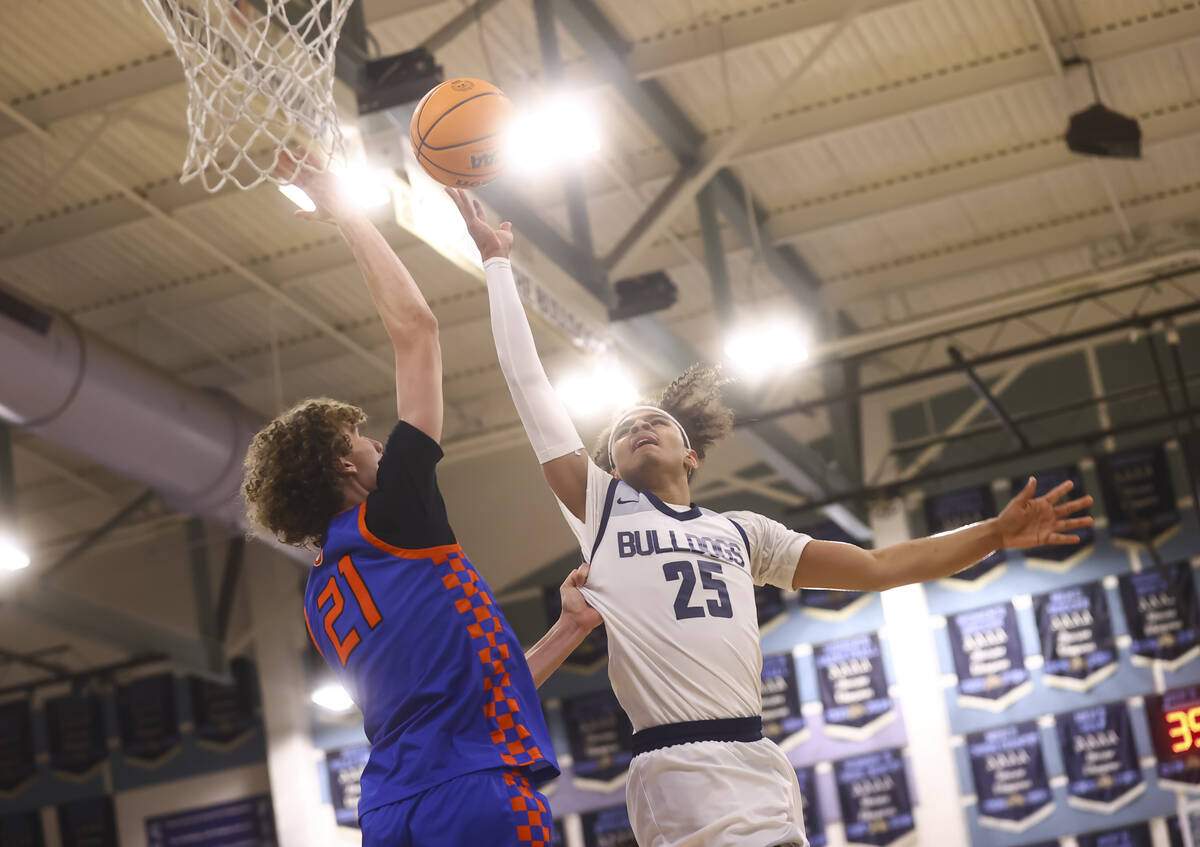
(988, 658)
(1075, 630)
(1100, 757)
(1139, 496)
(955, 509)
(1160, 609)
(16, 747)
(608, 828)
(1130, 835)
(250, 822)
(88, 823)
(1174, 722)
(1010, 777)
(1058, 557)
(601, 740)
(224, 713)
(76, 733)
(828, 604)
(853, 687)
(875, 800)
(783, 721)
(814, 824)
(345, 771)
(146, 719)
(768, 601)
(23, 829)
(592, 652)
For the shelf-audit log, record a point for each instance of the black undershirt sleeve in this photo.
(406, 508)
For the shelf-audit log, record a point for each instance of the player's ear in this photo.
(691, 459)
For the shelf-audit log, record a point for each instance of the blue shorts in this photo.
(494, 808)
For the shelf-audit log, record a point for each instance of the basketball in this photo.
(457, 132)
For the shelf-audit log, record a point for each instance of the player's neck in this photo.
(674, 491)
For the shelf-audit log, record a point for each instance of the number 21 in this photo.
(345, 646)
(719, 608)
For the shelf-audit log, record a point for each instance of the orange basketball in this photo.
(457, 131)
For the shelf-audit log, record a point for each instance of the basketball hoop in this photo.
(259, 82)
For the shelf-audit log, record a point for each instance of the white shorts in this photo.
(715, 794)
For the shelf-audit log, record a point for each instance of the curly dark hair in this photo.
(292, 487)
(693, 399)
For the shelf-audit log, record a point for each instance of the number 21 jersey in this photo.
(675, 586)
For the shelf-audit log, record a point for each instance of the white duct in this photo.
(71, 388)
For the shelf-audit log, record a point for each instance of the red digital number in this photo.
(1185, 727)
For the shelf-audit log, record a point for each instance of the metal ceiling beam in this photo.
(981, 391)
(96, 535)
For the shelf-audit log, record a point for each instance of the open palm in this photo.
(492, 242)
(1029, 521)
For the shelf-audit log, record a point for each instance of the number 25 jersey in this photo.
(676, 589)
(412, 631)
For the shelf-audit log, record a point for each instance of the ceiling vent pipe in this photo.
(71, 388)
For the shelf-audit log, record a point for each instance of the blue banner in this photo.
(814, 824)
(225, 714)
(988, 657)
(1059, 554)
(250, 822)
(783, 721)
(955, 509)
(1173, 719)
(608, 828)
(88, 823)
(1100, 757)
(76, 733)
(1139, 495)
(600, 737)
(1130, 835)
(875, 799)
(16, 746)
(853, 686)
(1010, 776)
(592, 652)
(1160, 609)
(768, 601)
(146, 718)
(345, 772)
(23, 829)
(1076, 636)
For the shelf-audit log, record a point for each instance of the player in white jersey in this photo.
(675, 584)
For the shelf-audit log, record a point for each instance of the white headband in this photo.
(612, 436)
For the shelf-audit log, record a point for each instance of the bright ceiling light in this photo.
(297, 196)
(559, 131)
(12, 556)
(333, 698)
(756, 351)
(367, 187)
(604, 388)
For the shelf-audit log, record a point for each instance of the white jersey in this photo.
(676, 590)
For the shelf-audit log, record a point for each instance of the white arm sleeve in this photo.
(585, 530)
(546, 421)
(774, 549)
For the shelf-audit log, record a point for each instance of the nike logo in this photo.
(626, 502)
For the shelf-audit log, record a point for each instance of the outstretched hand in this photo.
(492, 243)
(1033, 522)
(574, 606)
(304, 170)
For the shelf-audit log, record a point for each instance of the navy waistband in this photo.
(670, 734)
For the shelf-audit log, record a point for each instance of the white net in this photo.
(260, 80)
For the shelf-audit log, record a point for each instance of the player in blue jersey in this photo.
(394, 605)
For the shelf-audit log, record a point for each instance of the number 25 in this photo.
(719, 608)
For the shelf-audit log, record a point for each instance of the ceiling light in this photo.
(12, 556)
(297, 196)
(559, 131)
(604, 388)
(333, 698)
(756, 351)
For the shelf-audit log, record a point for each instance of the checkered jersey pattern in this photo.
(502, 711)
(531, 806)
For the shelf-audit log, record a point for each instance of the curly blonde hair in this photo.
(693, 399)
(292, 486)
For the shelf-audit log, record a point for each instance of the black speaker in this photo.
(640, 295)
(397, 80)
(1099, 131)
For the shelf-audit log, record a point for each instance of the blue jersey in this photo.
(413, 633)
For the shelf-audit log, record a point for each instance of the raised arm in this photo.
(407, 318)
(1025, 522)
(547, 424)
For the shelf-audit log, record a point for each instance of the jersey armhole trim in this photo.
(745, 538)
(608, 502)
(438, 554)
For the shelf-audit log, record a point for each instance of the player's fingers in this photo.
(1058, 492)
(1060, 538)
(1073, 523)
(478, 207)
(1026, 493)
(1072, 506)
(454, 196)
(506, 226)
